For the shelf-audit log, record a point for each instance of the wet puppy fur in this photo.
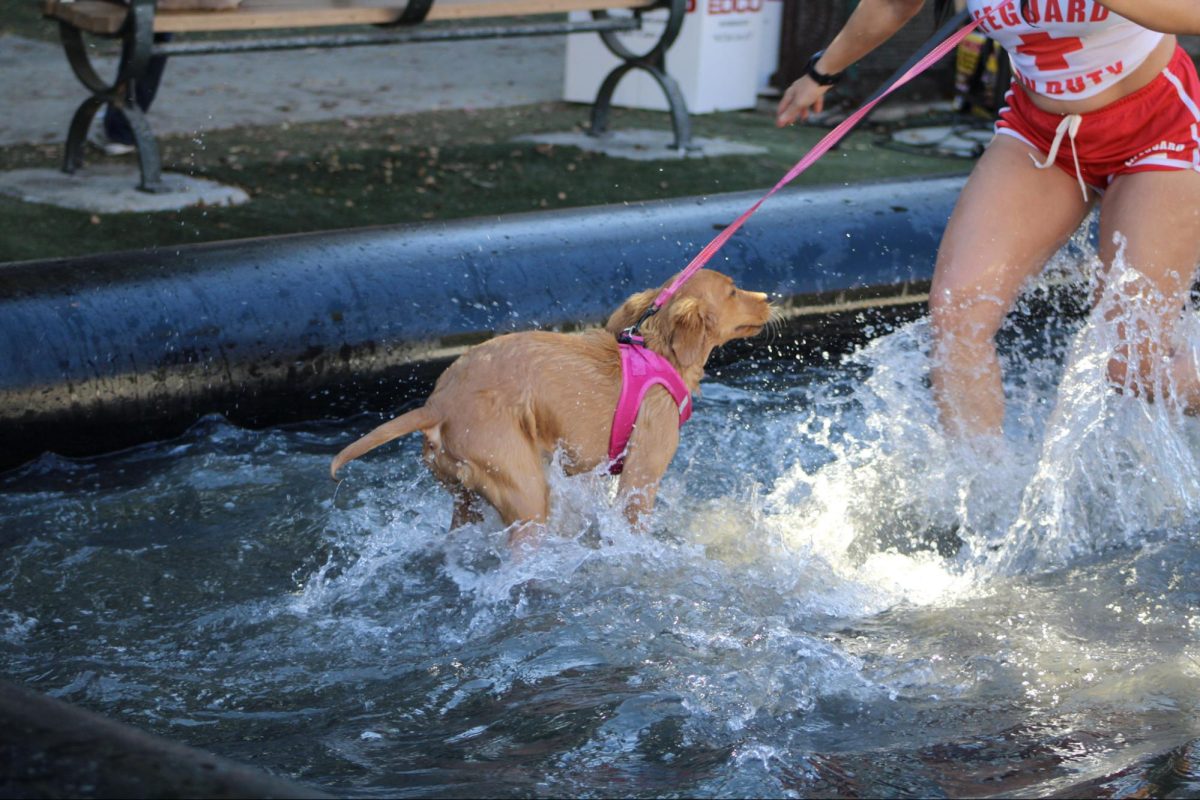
(498, 413)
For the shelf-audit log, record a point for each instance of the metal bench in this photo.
(264, 25)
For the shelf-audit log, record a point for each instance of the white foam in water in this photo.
(374, 546)
(1100, 471)
(16, 628)
(890, 481)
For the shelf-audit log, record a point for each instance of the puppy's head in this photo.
(706, 312)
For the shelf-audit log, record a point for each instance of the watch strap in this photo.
(819, 77)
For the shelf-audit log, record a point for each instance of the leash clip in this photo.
(633, 334)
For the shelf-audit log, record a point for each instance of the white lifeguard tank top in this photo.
(1070, 49)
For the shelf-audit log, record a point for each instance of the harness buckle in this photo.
(631, 335)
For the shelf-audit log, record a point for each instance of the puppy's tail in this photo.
(415, 420)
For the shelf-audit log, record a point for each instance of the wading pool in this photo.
(831, 600)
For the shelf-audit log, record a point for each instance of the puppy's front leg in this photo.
(638, 501)
(650, 450)
(466, 508)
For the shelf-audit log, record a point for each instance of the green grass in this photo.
(422, 167)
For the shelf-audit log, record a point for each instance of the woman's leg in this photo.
(1010, 219)
(1157, 214)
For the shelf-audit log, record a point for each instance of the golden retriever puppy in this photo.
(500, 410)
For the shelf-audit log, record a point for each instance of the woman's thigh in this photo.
(1155, 218)
(1010, 219)
(1152, 221)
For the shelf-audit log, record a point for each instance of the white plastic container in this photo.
(768, 47)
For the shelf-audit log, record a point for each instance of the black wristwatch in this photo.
(810, 69)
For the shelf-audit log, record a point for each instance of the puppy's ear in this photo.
(630, 311)
(689, 324)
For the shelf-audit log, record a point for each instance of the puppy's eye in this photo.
(732, 291)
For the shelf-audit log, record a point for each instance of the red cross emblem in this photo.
(1049, 53)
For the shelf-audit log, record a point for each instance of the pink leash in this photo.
(822, 147)
(631, 342)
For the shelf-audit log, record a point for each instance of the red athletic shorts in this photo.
(1155, 128)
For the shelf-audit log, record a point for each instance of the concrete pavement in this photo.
(206, 93)
(202, 93)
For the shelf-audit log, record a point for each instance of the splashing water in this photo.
(832, 599)
(1112, 466)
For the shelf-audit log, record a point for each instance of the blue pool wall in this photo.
(110, 350)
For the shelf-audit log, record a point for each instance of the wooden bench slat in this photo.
(105, 18)
(93, 16)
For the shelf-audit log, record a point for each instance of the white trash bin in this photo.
(768, 47)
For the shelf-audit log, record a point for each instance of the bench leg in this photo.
(144, 141)
(680, 121)
(77, 134)
(652, 62)
(149, 160)
(138, 37)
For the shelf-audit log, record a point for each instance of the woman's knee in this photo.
(1118, 373)
(1138, 371)
(964, 322)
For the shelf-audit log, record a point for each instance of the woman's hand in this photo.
(805, 96)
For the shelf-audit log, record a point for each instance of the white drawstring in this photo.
(1069, 126)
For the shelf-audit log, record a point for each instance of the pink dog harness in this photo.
(642, 368)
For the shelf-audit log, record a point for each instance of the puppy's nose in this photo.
(760, 296)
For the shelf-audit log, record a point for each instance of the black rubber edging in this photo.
(116, 349)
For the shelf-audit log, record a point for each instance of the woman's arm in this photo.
(1168, 16)
(871, 24)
